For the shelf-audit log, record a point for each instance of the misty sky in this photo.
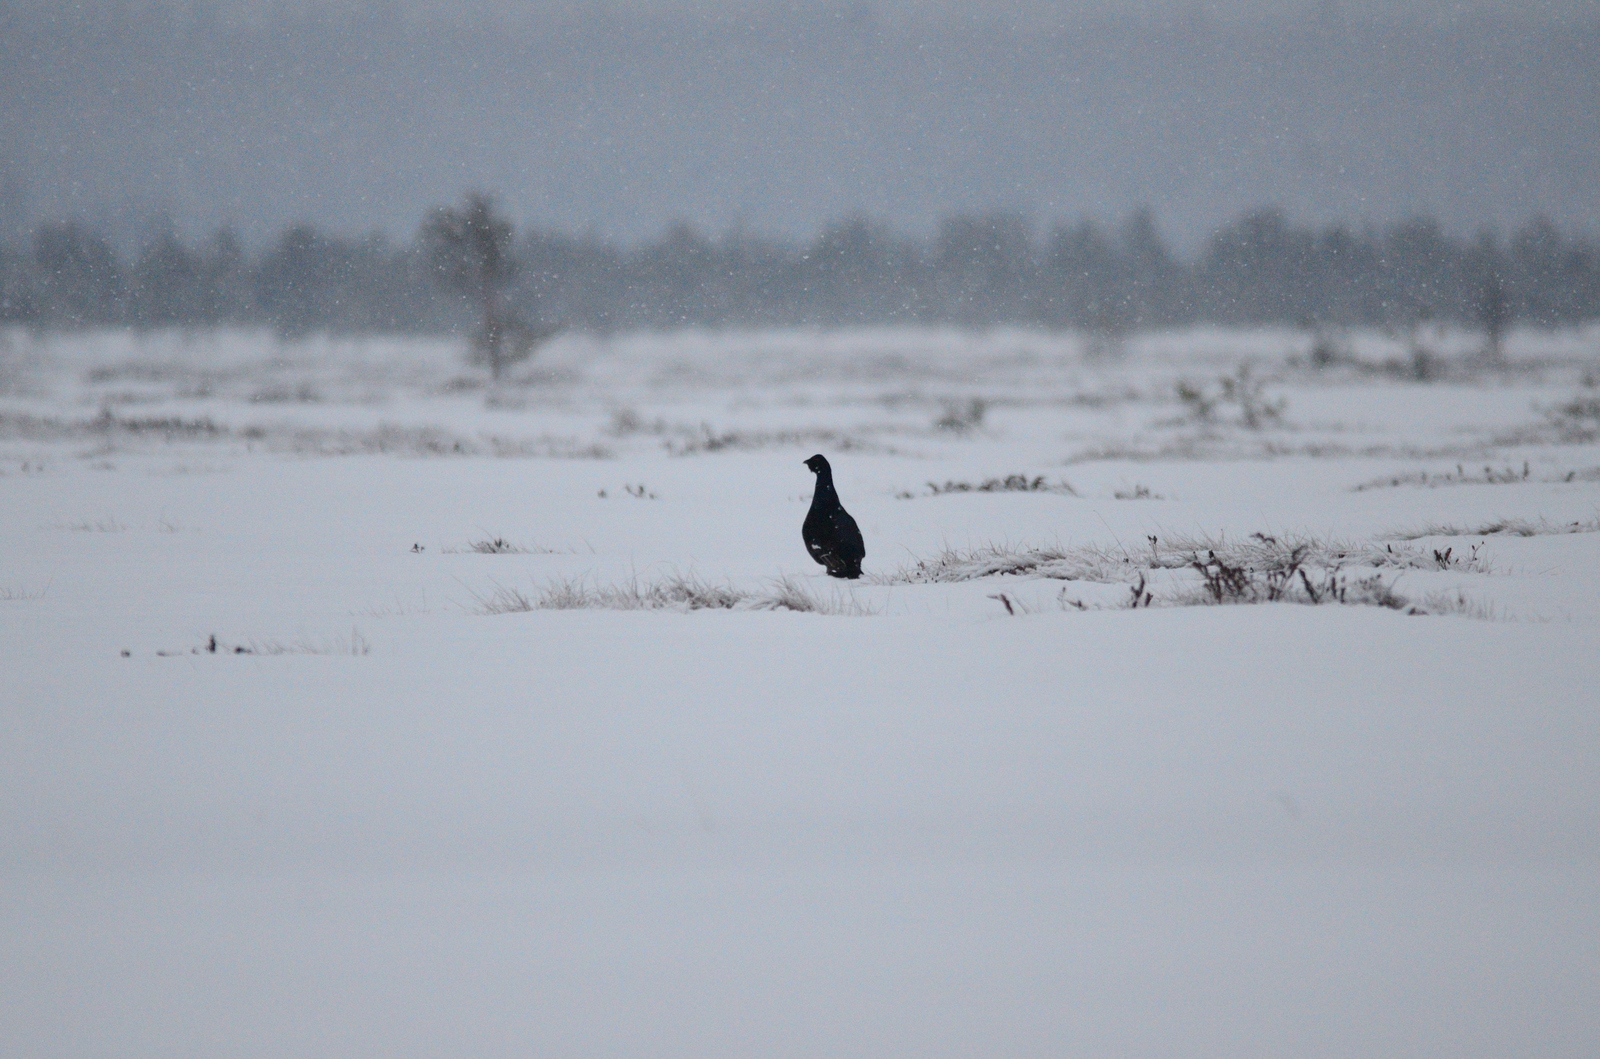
(784, 117)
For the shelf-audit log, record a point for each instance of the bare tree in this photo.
(470, 250)
(81, 283)
(1491, 301)
(1494, 313)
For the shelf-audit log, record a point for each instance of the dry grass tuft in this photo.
(702, 440)
(106, 426)
(1488, 476)
(678, 592)
(1258, 553)
(1503, 527)
(1011, 483)
(355, 645)
(387, 439)
(1459, 604)
(1220, 584)
(789, 593)
(1290, 582)
(103, 525)
(1461, 476)
(383, 439)
(493, 546)
(1137, 492)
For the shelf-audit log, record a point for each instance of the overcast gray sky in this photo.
(784, 117)
(1020, 10)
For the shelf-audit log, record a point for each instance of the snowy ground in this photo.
(404, 809)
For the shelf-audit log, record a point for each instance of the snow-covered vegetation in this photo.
(1211, 695)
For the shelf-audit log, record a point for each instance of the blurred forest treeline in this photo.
(975, 270)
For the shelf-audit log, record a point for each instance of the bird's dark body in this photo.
(831, 535)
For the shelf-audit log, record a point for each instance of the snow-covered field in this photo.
(299, 756)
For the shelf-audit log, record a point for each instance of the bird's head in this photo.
(817, 463)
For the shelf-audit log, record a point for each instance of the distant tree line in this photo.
(975, 270)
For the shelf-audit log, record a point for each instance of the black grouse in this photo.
(830, 533)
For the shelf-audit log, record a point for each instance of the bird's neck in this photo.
(824, 485)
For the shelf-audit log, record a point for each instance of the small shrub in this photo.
(1425, 366)
(1577, 419)
(626, 422)
(1201, 406)
(1225, 583)
(1447, 559)
(1255, 411)
(961, 418)
(1139, 597)
(1222, 584)
(1328, 348)
(1242, 390)
(1005, 601)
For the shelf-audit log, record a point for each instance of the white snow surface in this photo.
(923, 826)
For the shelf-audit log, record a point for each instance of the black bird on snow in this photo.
(830, 533)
